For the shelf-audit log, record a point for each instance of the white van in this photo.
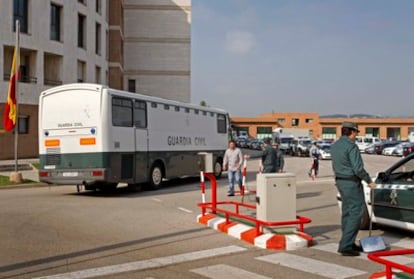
(364, 142)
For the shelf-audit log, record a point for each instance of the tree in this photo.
(203, 103)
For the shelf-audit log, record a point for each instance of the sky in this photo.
(252, 57)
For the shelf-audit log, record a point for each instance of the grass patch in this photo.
(36, 165)
(5, 181)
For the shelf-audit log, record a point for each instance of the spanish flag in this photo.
(9, 120)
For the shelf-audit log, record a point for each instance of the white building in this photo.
(136, 45)
(157, 48)
(60, 42)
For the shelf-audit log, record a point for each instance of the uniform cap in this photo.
(350, 125)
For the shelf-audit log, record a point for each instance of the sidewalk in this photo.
(24, 167)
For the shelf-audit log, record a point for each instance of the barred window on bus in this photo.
(140, 114)
(122, 112)
(221, 124)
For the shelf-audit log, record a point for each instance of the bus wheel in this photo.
(364, 225)
(218, 169)
(155, 177)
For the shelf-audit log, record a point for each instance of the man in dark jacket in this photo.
(349, 172)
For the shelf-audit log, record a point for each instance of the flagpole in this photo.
(16, 80)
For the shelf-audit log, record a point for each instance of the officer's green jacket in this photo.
(347, 161)
(269, 159)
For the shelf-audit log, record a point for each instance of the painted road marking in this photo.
(157, 200)
(329, 270)
(145, 264)
(226, 271)
(333, 248)
(185, 210)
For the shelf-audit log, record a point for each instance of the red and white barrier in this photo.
(203, 187)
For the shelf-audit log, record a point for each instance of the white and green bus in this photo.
(98, 137)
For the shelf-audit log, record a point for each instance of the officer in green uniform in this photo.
(349, 171)
(268, 158)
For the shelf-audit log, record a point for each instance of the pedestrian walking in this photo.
(315, 154)
(232, 162)
(349, 171)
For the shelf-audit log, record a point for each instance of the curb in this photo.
(247, 233)
(24, 186)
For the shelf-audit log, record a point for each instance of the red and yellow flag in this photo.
(9, 120)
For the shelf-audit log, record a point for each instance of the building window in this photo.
(97, 74)
(98, 6)
(131, 85)
(23, 125)
(372, 132)
(196, 111)
(187, 110)
(81, 30)
(281, 120)
(166, 107)
(28, 66)
(264, 130)
(177, 108)
(82, 2)
(329, 133)
(52, 69)
(81, 71)
(295, 122)
(309, 120)
(20, 13)
(98, 39)
(55, 15)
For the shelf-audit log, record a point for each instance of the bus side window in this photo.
(122, 112)
(140, 114)
(221, 124)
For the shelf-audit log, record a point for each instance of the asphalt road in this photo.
(55, 231)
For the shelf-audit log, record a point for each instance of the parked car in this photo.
(325, 152)
(398, 150)
(364, 142)
(241, 142)
(256, 144)
(301, 147)
(380, 146)
(393, 197)
(370, 149)
(408, 148)
(388, 151)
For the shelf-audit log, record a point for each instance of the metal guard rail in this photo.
(389, 265)
(301, 220)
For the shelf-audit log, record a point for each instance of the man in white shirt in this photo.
(233, 160)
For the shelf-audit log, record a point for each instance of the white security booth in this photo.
(276, 198)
